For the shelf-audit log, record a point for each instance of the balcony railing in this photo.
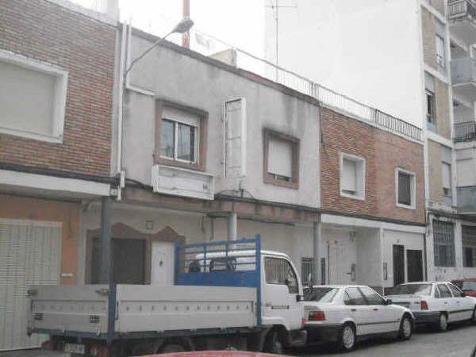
(462, 9)
(463, 70)
(465, 131)
(467, 200)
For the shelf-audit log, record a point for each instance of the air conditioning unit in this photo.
(182, 182)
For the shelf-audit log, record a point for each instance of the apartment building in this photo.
(56, 94)
(411, 59)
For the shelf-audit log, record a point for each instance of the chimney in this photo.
(186, 13)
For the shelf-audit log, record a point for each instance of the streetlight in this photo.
(183, 26)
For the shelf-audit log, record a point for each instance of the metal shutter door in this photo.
(30, 254)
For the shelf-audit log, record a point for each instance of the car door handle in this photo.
(375, 309)
(353, 310)
(446, 303)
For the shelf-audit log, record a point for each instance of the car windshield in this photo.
(468, 286)
(320, 294)
(412, 289)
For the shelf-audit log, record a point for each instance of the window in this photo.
(469, 246)
(405, 182)
(280, 272)
(235, 138)
(444, 243)
(440, 51)
(281, 159)
(455, 291)
(306, 270)
(430, 100)
(353, 296)
(32, 98)
(444, 291)
(352, 176)
(412, 289)
(320, 294)
(372, 297)
(179, 136)
(446, 176)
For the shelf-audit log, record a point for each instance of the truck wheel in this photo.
(442, 324)
(172, 347)
(347, 338)
(273, 343)
(406, 328)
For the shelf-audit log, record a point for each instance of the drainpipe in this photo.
(186, 14)
(120, 111)
(316, 241)
(232, 226)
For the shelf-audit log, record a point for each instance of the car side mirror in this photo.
(299, 297)
(463, 294)
(388, 302)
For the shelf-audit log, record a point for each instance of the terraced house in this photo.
(413, 60)
(56, 94)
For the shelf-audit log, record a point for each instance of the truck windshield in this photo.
(412, 289)
(320, 294)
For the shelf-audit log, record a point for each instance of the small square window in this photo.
(352, 176)
(405, 188)
(281, 159)
(179, 134)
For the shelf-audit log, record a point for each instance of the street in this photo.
(457, 342)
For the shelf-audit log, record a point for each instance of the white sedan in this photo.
(345, 313)
(435, 303)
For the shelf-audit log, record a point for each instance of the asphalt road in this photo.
(459, 341)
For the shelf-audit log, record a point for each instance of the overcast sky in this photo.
(238, 22)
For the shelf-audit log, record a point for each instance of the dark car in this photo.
(467, 285)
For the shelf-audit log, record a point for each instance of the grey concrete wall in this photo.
(180, 78)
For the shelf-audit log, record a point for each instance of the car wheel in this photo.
(406, 328)
(347, 338)
(273, 343)
(443, 323)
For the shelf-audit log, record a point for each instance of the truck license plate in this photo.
(74, 348)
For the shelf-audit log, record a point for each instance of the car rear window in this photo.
(412, 289)
(468, 286)
(320, 294)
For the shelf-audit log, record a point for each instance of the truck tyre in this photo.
(406, 328)
(442, 324)
(172, 347)
(346, 338)
(273, 343)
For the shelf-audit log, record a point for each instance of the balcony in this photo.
(462, 17)
(467, 200)
(465, 132)
(463, 77)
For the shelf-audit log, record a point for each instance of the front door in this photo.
(398, 264)
(341, 261)
(162, 269)
(415, 265)
(128, 261)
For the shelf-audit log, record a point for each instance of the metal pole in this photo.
(186, 13)
(316, 230)
(232, 226)
(105, 275)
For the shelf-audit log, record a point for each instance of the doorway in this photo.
(398, 264)
(415, 265)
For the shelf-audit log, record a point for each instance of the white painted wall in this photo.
(369, 258)
(367, 49)
(182, 79)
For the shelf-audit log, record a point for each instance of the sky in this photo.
(237, 22)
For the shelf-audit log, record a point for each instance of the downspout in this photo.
(120, 110)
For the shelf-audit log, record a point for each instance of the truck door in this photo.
(280, 294)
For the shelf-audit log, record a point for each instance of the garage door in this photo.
(30, 254)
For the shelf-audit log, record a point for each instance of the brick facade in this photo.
(85, 48)
(383, 152)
